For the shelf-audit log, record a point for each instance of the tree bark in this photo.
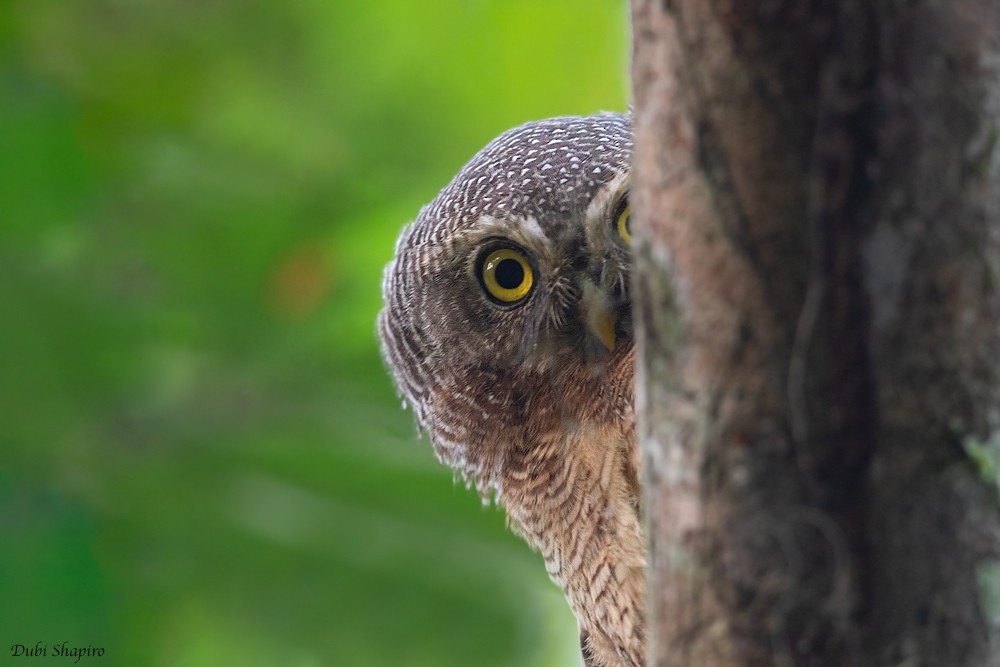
(817, 191)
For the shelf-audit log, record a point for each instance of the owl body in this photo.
(507, 328)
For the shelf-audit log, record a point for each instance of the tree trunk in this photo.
(817, 192)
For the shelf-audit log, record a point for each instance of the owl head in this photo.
(508, 297)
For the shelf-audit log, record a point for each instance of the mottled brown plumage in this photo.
(508, 330)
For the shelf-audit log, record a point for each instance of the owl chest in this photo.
(570, 495)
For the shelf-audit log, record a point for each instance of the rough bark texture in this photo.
(817, 192)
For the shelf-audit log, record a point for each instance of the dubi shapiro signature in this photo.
(61, 650)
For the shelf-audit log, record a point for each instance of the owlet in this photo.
(507, 328)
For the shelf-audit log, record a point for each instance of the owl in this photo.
(507, 328)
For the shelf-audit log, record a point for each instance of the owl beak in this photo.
(602, 324)
(600, 316)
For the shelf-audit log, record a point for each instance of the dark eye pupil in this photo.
(509, 274)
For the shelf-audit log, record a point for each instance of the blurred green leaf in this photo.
(202, 460)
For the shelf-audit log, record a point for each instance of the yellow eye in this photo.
(623, 223)
(507, 275)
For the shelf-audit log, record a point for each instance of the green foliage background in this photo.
(202, 460)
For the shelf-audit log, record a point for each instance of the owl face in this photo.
(516, 275)
(534, 290)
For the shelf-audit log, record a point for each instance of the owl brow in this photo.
(519, 229)
(620, 205)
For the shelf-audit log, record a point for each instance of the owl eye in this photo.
(623, 221)
(506, 275)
